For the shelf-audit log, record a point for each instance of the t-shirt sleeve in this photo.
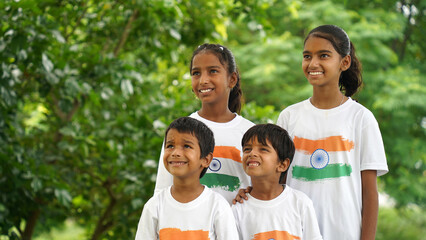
(372, 154)
(310, 222)
(237, 221)
(283, 119)
(164, 178)
(225, 227)
(148, 223)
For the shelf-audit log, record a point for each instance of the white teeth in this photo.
(177, 163)
(315, 73)
(253, 164)
(205, 90)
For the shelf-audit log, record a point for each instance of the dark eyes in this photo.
(197, 73)
(169, 146)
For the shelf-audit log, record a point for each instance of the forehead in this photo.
(175, 135)
(205, 59)
(255, 141)
(314, 44)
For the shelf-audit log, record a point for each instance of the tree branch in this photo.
(103, 225)
(126, 32)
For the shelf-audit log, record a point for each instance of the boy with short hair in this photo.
(272, 211)
(187, 209)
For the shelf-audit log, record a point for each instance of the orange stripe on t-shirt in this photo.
(177, 234)
(227, 152)
(276, 235)
(329, 144)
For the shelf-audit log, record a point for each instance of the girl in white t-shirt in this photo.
(339, 148)
(216, 83)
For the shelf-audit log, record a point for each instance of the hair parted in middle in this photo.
(227, 59)
(277, 136)
(198, 129)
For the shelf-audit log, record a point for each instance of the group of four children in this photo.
(311, 176)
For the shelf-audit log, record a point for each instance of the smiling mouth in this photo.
(315, 73)
(177, 164)
(205, 90)
(253, 164)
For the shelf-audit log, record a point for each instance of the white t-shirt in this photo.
(225, 174)
(291, 215)
(209, 216)
(333, 146)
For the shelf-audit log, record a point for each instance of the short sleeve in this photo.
(225, 227)
(372, 154)
(310, 222)
(148, 223)
(283, 119)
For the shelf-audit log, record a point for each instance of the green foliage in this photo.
(406, 223)
(88, 87)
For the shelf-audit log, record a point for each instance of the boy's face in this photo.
(182, 155)
(262, 160)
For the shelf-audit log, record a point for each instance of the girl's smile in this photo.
(322, 64)
(211, 82)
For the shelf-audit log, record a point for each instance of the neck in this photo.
(327, 98)
(265, 190)
(186, 192)
(216, 114)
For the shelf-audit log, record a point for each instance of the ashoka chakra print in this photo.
(319, 159)
(215, 165)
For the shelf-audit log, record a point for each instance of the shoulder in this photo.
(294, 107)
(363, 114)
(299, 196)
(245, 123)
(216, 198)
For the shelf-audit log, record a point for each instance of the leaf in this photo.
(63, 197)
(47, 64)
(126, 87)
(175, 34)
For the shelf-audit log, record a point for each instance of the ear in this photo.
(283, 166)
(232, 80)
(205, 161)
(345, 63)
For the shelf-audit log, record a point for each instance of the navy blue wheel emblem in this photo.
(319, 159)
(215, 165)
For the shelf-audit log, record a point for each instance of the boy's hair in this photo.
(227, 59)
(198, 129)
(277, 136)
(350, 80)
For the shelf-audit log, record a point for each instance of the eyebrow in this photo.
(320, 51)
(209, 67)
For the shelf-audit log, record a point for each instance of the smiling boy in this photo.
(187, 209)
(272, 211)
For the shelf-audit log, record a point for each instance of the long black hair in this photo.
(227, 59)
(350, 80)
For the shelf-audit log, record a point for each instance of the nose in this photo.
(253, 153)
(176, 153)
(204, 79)
(314, 62)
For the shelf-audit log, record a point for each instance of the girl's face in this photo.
(322, 64)
(211, 82)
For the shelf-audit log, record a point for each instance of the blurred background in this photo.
(87, 89)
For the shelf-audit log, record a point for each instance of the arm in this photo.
(370, 204)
